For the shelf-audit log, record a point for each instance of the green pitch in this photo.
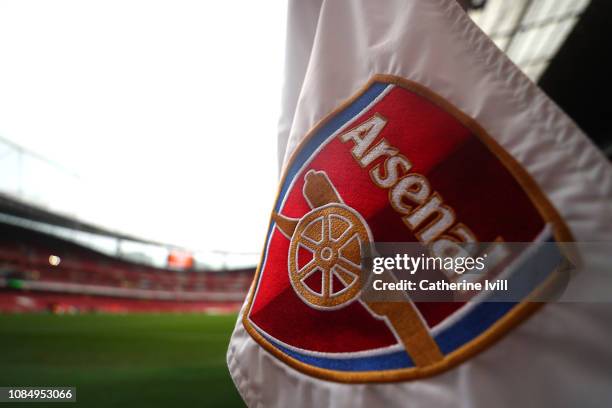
(165, 360)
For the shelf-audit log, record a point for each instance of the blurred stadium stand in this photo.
(40, 271)
(52, 258)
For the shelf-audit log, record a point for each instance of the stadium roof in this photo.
(530, 32)
(14, 207)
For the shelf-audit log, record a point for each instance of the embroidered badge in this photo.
(395, 163)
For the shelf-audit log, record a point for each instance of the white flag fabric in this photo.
(397, 52)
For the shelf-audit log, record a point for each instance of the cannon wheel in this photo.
(333, 234)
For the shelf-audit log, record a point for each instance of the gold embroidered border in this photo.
(510, 320)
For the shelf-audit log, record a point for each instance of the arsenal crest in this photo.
(395, 163)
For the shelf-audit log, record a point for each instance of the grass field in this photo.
(121, 360)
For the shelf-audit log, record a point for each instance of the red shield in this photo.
(396, 163)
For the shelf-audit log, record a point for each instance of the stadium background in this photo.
(130, 320)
